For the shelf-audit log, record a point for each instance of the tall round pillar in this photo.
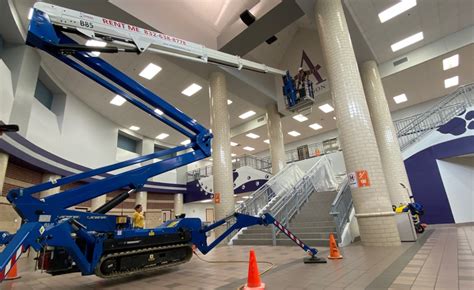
(46, 178)
(372, 203)
(275, 134)
(3, 169)
(223, 183)
(141, 198)
(178, 204)
(392, 161)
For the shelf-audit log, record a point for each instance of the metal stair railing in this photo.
(410, 130)
(245, 160)
(259, 201)
(342, 207)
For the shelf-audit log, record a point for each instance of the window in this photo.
(127, 143)
(44, 95)
(161, 148)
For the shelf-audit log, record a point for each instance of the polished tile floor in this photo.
(442, 259)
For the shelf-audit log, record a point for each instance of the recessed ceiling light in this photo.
(326, 108)
(334, 118)
(315, 126)
(266, 141)
(233, 154)
(248, 148)
(30, 14)
(294, 133)
(229, 102)
(159, 112)
(186, 142)
(454, 81)
(234, 160)
(300, 118)
(162, 136)
(134, 128)
(233, 144)
(450, 62)
(252, 135)
(150, 71)
(118, 100)
(95, 43)
(191, 90)
(407, 41)
(396, 9)
(247, 115)
(400, 98)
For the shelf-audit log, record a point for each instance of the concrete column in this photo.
(221, 154)
(178, 204)
(98, 202)
(46, 178)
(3, 169)
(24, 62)
(142, 198)
(275, 134)
(392, 161)
(372, 203)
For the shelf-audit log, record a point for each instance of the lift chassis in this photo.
(95, 242)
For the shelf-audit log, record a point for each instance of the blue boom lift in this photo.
(94, 242)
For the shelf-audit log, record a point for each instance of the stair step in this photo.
(281, 242)
(294, 229)
(303, 236)
(311, 224)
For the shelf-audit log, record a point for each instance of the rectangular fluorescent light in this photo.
(233, 144)
(300, 118)
(294, 133)
(247, 115)
(252, 135)
(159, 112)
(150, 71)
(30, 14)
(191, 90)
(407, 41)
(326, 108)
(233, 154)
(454, 81)
(266, 141)
(315, 126)
(118, 100)
(229, 102)
(186, 142)
(450, 62)
(400, 99)
(134, 128)
(396, 9)
(248, 148)
(162, 136)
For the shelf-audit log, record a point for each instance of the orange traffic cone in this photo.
(253, 280)
(333, 250)
(13, 273)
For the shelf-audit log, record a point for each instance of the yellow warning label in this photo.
(172, 224)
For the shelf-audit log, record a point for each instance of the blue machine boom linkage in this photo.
(94, 242)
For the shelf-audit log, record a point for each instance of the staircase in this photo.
(312, 224)
(303, 208)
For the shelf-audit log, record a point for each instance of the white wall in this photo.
(197, 209)
(458, 178)
(6, 92)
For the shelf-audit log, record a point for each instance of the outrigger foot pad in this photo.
(314, 260)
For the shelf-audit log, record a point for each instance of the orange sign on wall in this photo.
(217, 197)
(363, 178)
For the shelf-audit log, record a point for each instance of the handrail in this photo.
(411, 129)
(341, 207)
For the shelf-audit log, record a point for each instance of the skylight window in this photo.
(326, 108)
(191, 90)
(315, 126)
(150, 71)
(407, 41)
(300, 118)
(118, 100)
(451, 62)
(396, 10)
(294, 133)
(451, 82)
(400, 98)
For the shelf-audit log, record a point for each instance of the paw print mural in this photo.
(458, 125)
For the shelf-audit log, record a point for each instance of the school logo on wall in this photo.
(320, 83)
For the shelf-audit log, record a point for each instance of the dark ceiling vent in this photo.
(247, 17)
(261, 119)
(400, 61)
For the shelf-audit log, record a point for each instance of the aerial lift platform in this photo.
(95, 242)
